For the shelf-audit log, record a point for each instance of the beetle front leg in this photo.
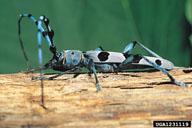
(36, 69)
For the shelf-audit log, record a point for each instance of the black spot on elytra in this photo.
(103, 56)
(158, 62)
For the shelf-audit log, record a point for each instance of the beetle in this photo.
(97, 60)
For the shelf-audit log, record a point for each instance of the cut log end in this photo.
(126, 100)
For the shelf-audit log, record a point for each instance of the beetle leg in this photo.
(173, 80)
(57, 75)
(126, 62)
(91, 66)
(62, 73)
(36, 69)
(76, 75)
(128, 49)
(99, 49)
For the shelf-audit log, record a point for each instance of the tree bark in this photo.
(126, 100)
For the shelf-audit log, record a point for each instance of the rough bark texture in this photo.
(126, 100)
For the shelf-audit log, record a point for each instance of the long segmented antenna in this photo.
(40, 58)
(49, 33)
(20, 39)
(39, 25)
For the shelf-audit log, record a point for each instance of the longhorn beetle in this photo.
(94, 60)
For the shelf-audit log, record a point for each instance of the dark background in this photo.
(161, 25)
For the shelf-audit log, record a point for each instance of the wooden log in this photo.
(126, 100)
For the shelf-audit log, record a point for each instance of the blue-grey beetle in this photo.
(94, 60)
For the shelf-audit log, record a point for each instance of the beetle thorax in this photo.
(72, 58)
